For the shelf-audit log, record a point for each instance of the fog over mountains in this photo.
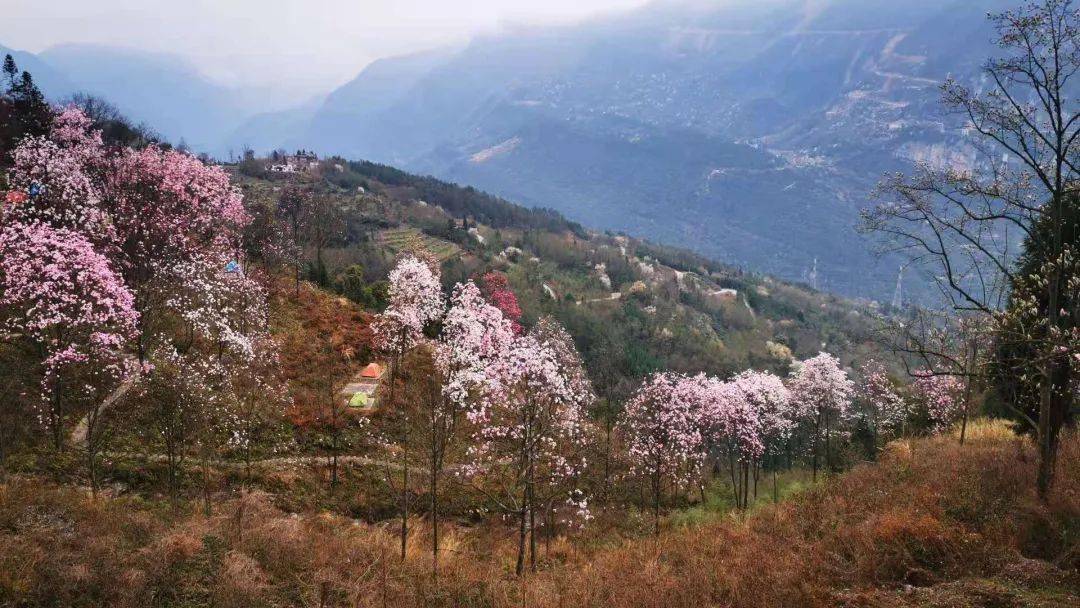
(752, 132)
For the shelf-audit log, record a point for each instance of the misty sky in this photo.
(305, 45)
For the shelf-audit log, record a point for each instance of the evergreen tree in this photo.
(1016, 371)
(11, 72)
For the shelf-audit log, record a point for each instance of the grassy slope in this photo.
(673, 323)
(932, 524)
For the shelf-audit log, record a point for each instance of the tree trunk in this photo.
(405, 496)
(828, 445)
(334, 461)
(532, 533)
(91, 451)
(434, 514)
(1055, 401)
(530, 494)
(736, 490)
(775, 487)
(57, 419)
(817, 443)
(607, 459)
(656, 504)
(91, 467)
(520, 568)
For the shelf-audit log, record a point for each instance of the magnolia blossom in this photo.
(819, 386)
(475, 335)
(941, 396)
(530, 425)
(415, 299)
(220, 305)
(168, 207)
(535, 410)
(662, 426)
(62, 169)
(63, 296)
(880, 396)
(106, 251)
(58, 285)
(769, 402)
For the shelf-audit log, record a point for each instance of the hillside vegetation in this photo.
(934, 523)
(633, 307)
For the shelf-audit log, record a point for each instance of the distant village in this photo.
(303, 160)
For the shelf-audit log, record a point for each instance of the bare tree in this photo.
(962, 224)
(936, 343)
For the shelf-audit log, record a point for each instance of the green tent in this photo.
(360, 399)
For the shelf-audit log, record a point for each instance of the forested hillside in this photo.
(633, 307)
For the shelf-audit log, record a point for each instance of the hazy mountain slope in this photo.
(161, 90)
(52, 82)
(751, 131)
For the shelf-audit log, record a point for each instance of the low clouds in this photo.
(306, 45)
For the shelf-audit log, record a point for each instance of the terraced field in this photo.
(396, 239)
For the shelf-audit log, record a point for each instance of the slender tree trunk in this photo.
(828, 445)
(520, 568)
(405, 495)
(736, 490)
(434, 489)
(334, 459)
(549, 529)
(247, 462)
(1052, 412)
(746, 485)
(206, 484)
(57, 419)
(968, 390)
(607, 459)
(91, 451)
(91, 467)
(817, 443)
(656, 504)
(532, 529)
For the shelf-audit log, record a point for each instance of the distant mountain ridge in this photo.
(751, 131)
(165, 91)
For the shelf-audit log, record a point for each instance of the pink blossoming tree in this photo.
(415, 300)
(941, 397)
(663, 434)
(64, 298)
(528, 429)
(822, 394)
(475, 335)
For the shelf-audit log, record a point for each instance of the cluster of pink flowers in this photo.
(525, 395)
(64, 296)
(98, 244)
(500, 294)
(415, 300)
(673, 422)
(475, 335)
(662, 427)
(821, 387)
(881, 397)
(934, 396)
(941, 395)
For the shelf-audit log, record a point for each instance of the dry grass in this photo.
(933, 524)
